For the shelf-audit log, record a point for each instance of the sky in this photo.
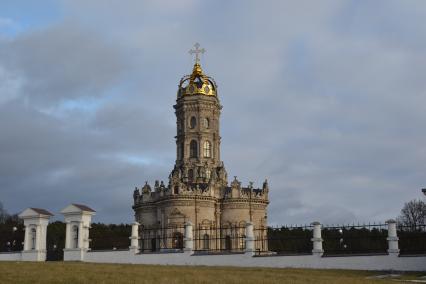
(325, 99)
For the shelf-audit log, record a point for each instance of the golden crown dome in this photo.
(197, 84)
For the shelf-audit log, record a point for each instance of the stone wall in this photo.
(10, 256)
(367, 262)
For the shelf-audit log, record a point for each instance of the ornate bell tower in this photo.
(197, 112)
(198, 190)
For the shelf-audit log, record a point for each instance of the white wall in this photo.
(370, 262)
(10, 256)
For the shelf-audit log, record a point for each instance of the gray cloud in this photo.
(325, 99)
(64, 61)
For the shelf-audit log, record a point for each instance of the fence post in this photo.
(392, 237)
(249, 238)
(134, 238)
(317, 240)
(188, 241)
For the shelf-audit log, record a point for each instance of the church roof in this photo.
(197, 83)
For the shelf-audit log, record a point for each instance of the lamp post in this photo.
(14, 229)
(424, 191)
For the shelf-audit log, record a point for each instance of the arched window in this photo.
(193, 149)
(176, 190)
(206, 123)
(75, 236)
(208, 173)
(243, 242)
(192, 122)
(206, 242)
(207, 149)
(33, 238)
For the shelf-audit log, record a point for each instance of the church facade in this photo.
(198, 190)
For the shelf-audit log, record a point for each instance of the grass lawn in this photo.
(73, 272)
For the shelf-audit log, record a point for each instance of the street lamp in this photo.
(424, 191)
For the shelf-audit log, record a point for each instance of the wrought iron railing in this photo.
(161, 239)
(355, 239)
(283, 240)
(412, 239)
(212, 239)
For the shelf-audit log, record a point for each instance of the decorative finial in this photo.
(197, 51)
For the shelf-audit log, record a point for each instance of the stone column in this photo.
(317, 240)
(249, 238)
(27, 238)
(392, 237)
(68, 235)
(134, 238)
(188, 240)
(80, 235)
(38, 237)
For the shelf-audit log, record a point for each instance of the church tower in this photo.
(197, 112)
(197, 189)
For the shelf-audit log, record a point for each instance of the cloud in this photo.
(326, 100)
(62, 62)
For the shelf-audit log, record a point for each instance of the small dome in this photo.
(197, 84)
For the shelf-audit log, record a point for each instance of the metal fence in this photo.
(161, 239)
(107, 237)
(212, 239)
(412, 239)
(11, 237)
(355, 239)
(283, 240)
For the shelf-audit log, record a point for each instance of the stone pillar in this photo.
(27, 238)
(38, 238)
(38, 219)
(188, 240)
(80, 216)
(392, 237)
(134, 238)
(68, 235)
(249, 238)
(81, 234)
(317, 240)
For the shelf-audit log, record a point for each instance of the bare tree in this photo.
(413, 214)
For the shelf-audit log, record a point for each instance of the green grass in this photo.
(73, 272)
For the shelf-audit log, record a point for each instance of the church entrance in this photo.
(177, 240)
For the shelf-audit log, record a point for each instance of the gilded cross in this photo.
(197, 51)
